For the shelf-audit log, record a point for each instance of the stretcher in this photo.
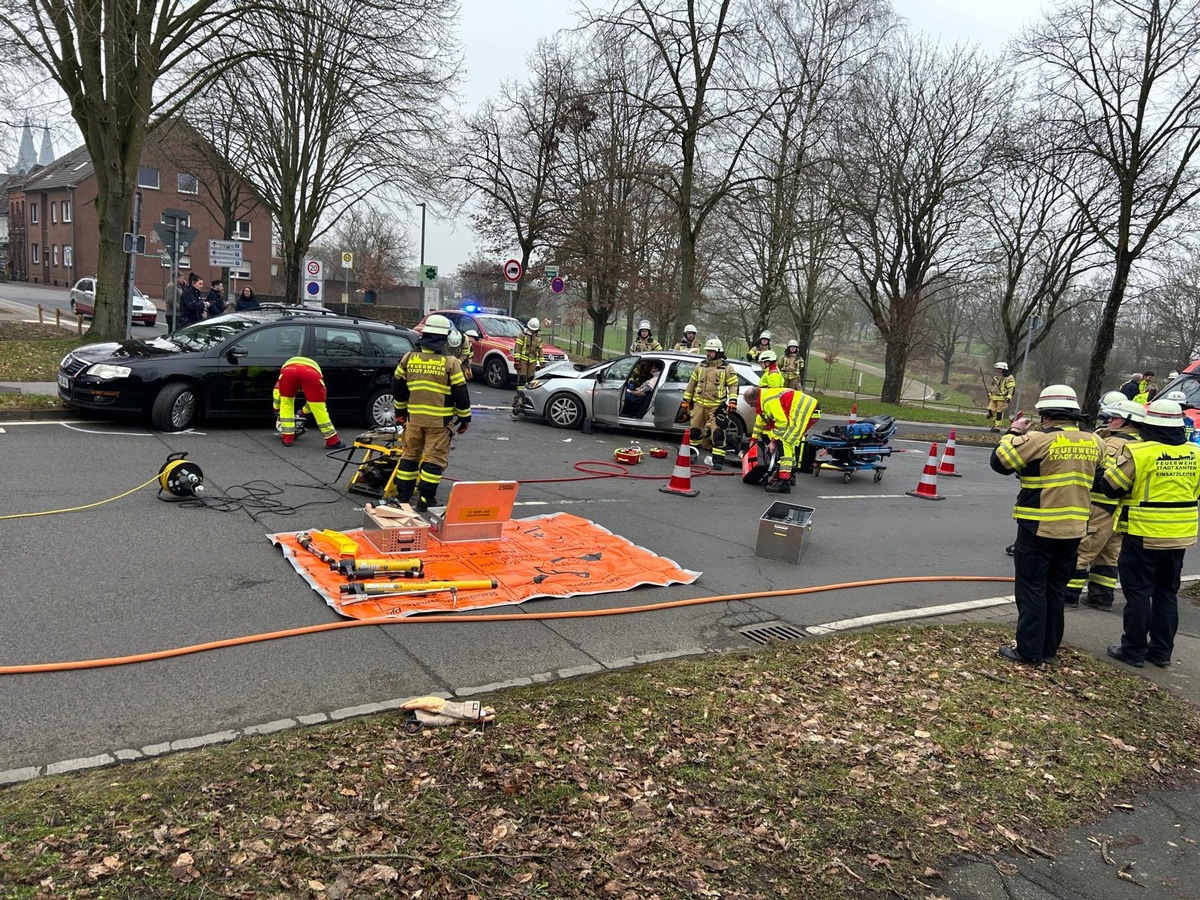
(857, 447)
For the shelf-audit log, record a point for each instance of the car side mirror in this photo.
(236, 352)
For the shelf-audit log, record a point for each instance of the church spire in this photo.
(26, 158)
(47, 155)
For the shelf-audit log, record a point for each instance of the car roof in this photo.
(279, 311)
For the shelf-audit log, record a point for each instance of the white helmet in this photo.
(765, 334)
(1178, 396)
(472, 334)
(1164, 414)
(436, 324)
(1001, 365)
(794, 343)
(1133, 411)
(534, 324)
(768, 356)
(1171, 376)
(1057, 396)
(643, 325)
(454, 339)
(689, 329)
(714, 344)
(1110, 405)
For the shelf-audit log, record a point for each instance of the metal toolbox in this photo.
(390, 533)
(476, 511)
(783, 530)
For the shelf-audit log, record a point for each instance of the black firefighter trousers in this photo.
(1043, 568)
(1150, 580)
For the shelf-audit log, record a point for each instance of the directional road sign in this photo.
(225, 254)
(513, 270)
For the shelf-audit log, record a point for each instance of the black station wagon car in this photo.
(226, 367)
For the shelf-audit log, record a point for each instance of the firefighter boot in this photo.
(426, 497)
(782, 485)
(518, 405)
(718, 462)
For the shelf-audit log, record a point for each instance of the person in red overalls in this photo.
(302, 374)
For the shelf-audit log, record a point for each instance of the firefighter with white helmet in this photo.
(1000, 395)
(1056, 464)
(460, 343)
(771, 378)
(764, 343)
(688, 343)
(785, 416)
(710, 398)
(1157, 481)
(645, 340)
(431, 400)
(791, 365)
(527, 359)
(1117, 422)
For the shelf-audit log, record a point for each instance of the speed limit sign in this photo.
(513, 270)
(314, 267)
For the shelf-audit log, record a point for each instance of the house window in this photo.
(33, 216)
(37, 256)
(186, 183)
(242, 274)
(241, 230)
(68, 257)
(54, 253)
(148, 177)
(66, 210)
(53, 214)
(184, 220)
(185, 261)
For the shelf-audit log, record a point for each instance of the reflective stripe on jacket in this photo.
(429, 388)
(1056, 467)
(712, 384)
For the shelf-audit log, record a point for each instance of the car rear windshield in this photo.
(501, 326)
(210, 332)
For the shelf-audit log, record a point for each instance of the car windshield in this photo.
(501, 326)
(211, 332)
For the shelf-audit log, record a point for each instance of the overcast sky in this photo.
(497, 35)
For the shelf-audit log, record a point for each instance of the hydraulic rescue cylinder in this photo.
(357, 569)
(417, 587)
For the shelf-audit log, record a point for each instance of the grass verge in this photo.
(15, 401)
(846, 766)
(840, 406)
(32, 352)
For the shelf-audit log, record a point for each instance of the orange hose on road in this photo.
(493, 617)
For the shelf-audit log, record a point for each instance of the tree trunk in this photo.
(1104, 336)
(114, 207)
(895, 362)
(946, 369)
(291, 272)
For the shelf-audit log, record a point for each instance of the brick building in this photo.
(53, 232)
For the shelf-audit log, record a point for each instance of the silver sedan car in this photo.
(565, 394)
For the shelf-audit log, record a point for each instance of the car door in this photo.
(85, 296)
(669, 394)
(609, 389)
(249, 366)
(346, 361)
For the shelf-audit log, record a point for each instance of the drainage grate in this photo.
(772, 633)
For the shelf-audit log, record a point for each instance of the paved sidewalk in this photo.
(1158, 836)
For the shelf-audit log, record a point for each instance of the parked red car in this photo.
(493, 337)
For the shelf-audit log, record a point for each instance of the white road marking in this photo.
(872, 496)
(90, 431)
(904, 614)
(566, 502)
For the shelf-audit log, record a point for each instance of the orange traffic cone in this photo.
(853, 413)
(946, 466)
(681, 475)
(927, 486)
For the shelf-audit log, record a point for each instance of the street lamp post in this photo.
(422, 205)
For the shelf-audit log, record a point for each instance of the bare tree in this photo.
(945, 321)
(1042, 241)
(339, 105)
(382, 248)
(915, 143)
(1175, 324)
(112, 60)
(1119, 77)
(508, 154)
(706, 111)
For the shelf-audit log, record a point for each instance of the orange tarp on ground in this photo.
(558, 555)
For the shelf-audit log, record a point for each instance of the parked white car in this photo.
(83, 302)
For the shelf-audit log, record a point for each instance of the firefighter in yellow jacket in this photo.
(1000, 394)
(431, 401)
(1056, 464)
(527, 359)
(645, 341)
(791, 365)
(711, 397)
(1157, 480)
(1096, 561)
(302, 374)
(786, 417)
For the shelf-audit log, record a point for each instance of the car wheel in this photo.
(564, 411)
(73, 309)
(380, 410)
(738, 427)
(495, 372)
(175, 408)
